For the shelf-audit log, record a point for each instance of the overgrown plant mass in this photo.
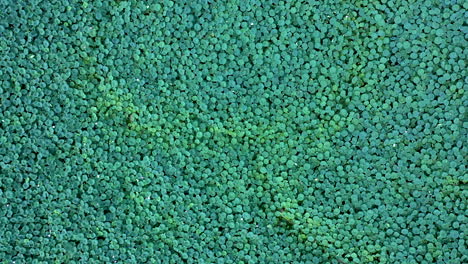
(233, 131)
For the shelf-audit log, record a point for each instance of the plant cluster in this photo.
(233, 131)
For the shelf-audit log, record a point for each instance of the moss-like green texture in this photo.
(233, 131)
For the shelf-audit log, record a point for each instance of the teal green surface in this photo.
(233, 131)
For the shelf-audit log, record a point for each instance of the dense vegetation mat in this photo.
(233, 131)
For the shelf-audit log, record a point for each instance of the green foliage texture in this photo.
(233, 131)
